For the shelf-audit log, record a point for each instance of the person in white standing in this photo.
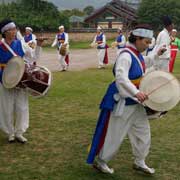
(120, 41)
(164, 40)
(100, 42)
(14, 119)
(30, 40)
(62, 40)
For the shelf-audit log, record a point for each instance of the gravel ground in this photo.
(80, 59)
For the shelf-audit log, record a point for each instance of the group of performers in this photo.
(120, 114)
(167, 38)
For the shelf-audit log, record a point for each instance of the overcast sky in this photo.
(69, 4)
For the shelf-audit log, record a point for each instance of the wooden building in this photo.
(114, 14)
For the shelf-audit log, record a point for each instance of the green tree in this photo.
(88, 10)
(77, 12)
(38, 14)
(152, 12)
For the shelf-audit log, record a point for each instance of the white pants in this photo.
(62, 61)
(133, 123)
(14, 110)
(101, 54)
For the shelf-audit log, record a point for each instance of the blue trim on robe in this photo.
(149, 50)
(60, 36)
(107, 104)
(28, 38)
(119, 39)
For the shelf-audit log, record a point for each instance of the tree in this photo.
(39, 14)
(151, 12)
(77, 12)
(88, 10)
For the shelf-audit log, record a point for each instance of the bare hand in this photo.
(141, 96)
(161, 50)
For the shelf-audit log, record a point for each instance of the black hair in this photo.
(166, 21)
(3, 23)
(132, 38)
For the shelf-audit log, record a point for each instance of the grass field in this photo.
(61, 127)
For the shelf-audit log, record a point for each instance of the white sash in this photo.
(9, 48)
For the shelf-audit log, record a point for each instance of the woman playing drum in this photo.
(120, 114)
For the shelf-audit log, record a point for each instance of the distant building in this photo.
(112, 15)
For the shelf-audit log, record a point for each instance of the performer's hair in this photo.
(2, 24)
(132, 38)
(3, 35)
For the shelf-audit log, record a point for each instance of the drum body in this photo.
(17, 74)
(163, 90)
(113, 44)
(36, 79)
(63, 50)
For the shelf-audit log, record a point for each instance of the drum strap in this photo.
(8, 47)
(2, 66)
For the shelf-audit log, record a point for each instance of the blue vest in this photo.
(5, 55)
(100, 38)
(119, 39)
(60, 36)
(28, 38)
(135, 74)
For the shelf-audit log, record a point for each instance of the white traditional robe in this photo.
(14, 119)
(101, 52)
(163, 39)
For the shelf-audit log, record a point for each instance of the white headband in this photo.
(8, 26)
(29, 29)
(143, 33)
(61, 27)
(174, 30)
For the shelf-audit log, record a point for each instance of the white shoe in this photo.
(21, 138)
(11, 138)
(103, 167)
(100, 67)
(143, 167)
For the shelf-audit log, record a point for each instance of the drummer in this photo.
(14, 119)
(120, 40)
(29, 37)
(31, 41)
(62, 38)
(121, 114)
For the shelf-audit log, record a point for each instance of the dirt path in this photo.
(79, 59)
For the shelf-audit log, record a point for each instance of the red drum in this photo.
(36, 79)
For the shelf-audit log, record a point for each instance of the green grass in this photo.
(61, 128)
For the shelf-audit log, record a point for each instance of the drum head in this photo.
(13, 72)
(163, 90)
